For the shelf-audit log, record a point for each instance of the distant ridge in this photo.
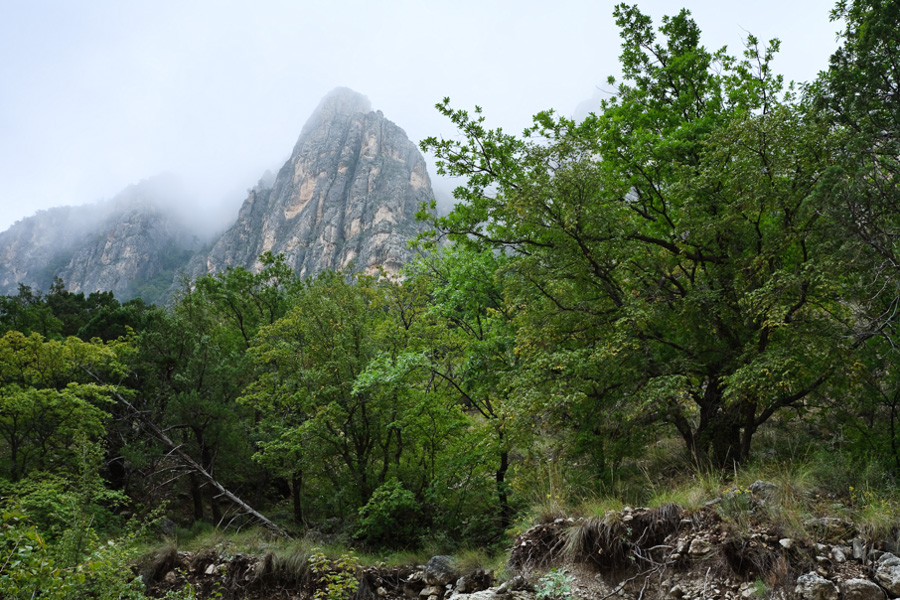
(346, 199)
(131, 245)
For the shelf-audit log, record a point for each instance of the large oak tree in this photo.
(669, 249)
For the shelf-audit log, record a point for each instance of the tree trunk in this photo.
(296, 487)
(207, 461)
(196, 497)
(723, 435)
(14, 458)
(502, 494)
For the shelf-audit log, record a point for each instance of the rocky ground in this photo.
(664, 553)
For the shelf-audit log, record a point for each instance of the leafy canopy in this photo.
(669, 245)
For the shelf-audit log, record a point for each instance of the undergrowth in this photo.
(798, 486)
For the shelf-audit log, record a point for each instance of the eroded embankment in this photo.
(730, 549)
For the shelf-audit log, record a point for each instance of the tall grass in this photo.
(807, 481)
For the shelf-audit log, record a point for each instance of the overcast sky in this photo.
(97, 95)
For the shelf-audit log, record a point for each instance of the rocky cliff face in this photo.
(346, 198)
(131, 245)
(136, 253)
(34, 249)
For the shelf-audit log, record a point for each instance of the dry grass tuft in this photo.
(600, 541)
(616, 540)
(747, 559)
(290, 567)
(656, 524)
(154, 566)
(540, 546)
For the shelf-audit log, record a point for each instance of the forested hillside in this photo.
(700, 278)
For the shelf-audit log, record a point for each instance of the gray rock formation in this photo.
(346, 198)
(140, 245)
(812, 586)
(440, 570)
(34, 249)
(130, 245)
(887, 573)
(474, 581)
(861, 589)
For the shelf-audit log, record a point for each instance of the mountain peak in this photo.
(344, 100)
(346, 198)
(341, 101)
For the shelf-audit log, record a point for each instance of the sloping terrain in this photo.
(131, 244)
(729, 549)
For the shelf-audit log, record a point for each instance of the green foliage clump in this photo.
(92, 569)
(555, 585)
(338, 578)
(390, 517)
(25, 567)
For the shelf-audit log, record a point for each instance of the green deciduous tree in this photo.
(48, 405)
(27, 312)
(470, 350)
(192, 366)
(353, 414)
(860, 95)
(668, 250)
(311, 359)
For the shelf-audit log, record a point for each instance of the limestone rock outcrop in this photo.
(862, 589)
(346, 198)
(812, 586)
(137, 247)
(887, 573)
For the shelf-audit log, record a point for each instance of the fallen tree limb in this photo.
(190, 463)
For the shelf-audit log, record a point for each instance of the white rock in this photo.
(489, 594)
(887, 559)
(699, 547)
(887, 573)
(812, 586)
